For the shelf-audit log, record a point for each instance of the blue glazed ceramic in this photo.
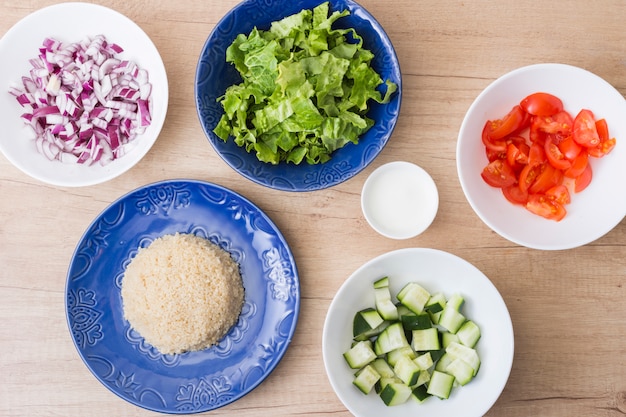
(214, 75)
(194, 381)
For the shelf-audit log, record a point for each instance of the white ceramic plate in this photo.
(71, 22)
(436, 271)
(593, 212)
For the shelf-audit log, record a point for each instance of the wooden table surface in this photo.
(567, 307)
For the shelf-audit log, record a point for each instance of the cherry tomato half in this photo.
(585, 131)
(509, 124)
(606, 144)
(545, 206)
(498, 173)
(583, 180)
(541, 104)
(555, 156)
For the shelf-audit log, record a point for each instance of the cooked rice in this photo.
(182, 293)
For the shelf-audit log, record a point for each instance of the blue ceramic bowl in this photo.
(191, 382)
(214, 75)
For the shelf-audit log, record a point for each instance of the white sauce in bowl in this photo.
(399, 200)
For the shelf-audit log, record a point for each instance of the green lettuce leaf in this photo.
(305, 89)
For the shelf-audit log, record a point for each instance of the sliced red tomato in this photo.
(548, 177)
(490, 144)
(509, 124)
(541, 104)
(559, 123)
(515, 194)
(528, 175)
(606, 144)
(560, 193)
(555, 156)
(546, 207)
(579, 164)
(583, 180)
(569, 148)
(499, 174)
(517, 155)
(585, 131)
(536, 154)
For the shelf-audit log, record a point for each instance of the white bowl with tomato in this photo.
(540, 155)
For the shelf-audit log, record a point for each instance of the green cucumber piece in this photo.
(420, 393)
(360, 354)
(467, 354)
(425, 361)
(396, 354)
(407, 370)
(436, 303)
(414, 296)
(391, 338)
(451, 319)
(416, 321)
(447, 338)
(425, 340)
(469, 334)
(386, 308)
(395, 393)
(440, 384)
(366, 378)
(381, 283)
(365, 321)
(461, 370)
(456, 301)
(383, 368)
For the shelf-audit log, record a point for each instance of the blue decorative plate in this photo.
(214, 75)
(194, 381)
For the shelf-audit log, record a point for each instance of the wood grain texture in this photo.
(567, 307)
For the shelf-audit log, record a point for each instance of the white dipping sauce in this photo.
(399, 200)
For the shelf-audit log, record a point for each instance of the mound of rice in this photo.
(182, 293)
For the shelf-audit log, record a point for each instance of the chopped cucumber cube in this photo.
(386, 308)
(469, 334)
(396, 354)
(383, 368)
(382, 282)
(424, 361)
(462, 371)
(391, 338)
(416, 322)
(366, 378)
(436, 303)
(425, 339)
(414, 296)
(467, 354)
(451, 319)
(395, 393)
(447, 338)
(407, 370)
(360, 355)
(440, 384)
(420, 393)
(365, 321)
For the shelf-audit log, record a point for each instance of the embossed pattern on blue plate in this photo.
(214, 75)
(192, 382)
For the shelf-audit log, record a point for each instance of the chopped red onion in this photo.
(83, 102)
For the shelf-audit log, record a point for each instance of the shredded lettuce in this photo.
(305, 89)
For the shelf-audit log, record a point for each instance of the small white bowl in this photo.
(72, 22)
(399, 200)
(592, 212)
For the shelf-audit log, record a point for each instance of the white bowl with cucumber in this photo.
(418, 331)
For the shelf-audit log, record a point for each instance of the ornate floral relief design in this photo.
(163, 199)
(84, 317)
